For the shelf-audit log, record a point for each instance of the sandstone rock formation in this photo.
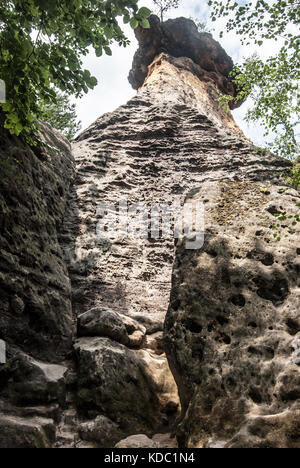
(113, 386)
(231, 326)
(35, 294)
(34, 286)
(180, 38)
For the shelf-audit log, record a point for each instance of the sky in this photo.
(113, 88)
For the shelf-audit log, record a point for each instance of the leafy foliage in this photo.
(224, 101)
(41, 47)
(293, 177)
(286, 225)
(165, 5)
(61, 115)
(286, 222)
(273, 84)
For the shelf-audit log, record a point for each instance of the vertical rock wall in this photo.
(232, 329)
(35, 292)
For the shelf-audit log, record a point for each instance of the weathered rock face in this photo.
(35, 293)
(169, 140)
(233, 318)
(35, 307)
(180, 38)
(155, 149)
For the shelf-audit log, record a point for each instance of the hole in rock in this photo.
(255, 395)
(252, 350)
(230, 382)
(193, 326)
(197, 351)
(252, 324)
(60, 190)
(222, 320)
(293, 326)
(238, 300)
(213, 253)
(273, 210)
(268, 259)
(223, 338)
(275, 289)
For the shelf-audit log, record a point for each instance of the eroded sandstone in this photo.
(35, 307)
(180, 38)
(228, 331)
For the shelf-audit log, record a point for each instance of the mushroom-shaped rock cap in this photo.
(180, 38)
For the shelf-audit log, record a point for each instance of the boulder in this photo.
(112, 380)
(25, 433)
(101, 430)
(142, 441)
(26, 380)
(136, 442)
(103, 322)
(108, 323)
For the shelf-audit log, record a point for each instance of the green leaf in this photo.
(134, 23)
(14, 118)
(18, 128)
(107, 50)
(144, 12)
(108, 31)
(269, 82)
(99, 51)
(145, 24)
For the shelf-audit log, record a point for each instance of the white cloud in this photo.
(114, 89)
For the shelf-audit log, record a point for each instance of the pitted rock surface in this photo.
(36, 320)
(35, 306)
(232, 329)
